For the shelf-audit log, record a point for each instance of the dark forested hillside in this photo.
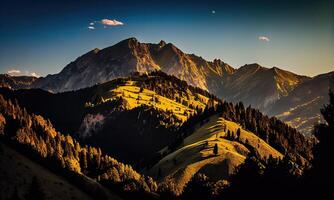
(36, 136)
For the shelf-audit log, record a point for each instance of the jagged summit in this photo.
(162, 43)
(96, 50)
(130, 56)
(252, 66)
(130, 40)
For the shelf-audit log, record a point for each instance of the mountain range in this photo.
(276, 92)
(128, 56)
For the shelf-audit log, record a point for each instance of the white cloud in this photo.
(14, 72)
(104, 23)
(111, 22)
(34, 74)
(264, 38)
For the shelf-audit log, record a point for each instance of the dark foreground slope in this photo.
(18, 172)
(82, 165)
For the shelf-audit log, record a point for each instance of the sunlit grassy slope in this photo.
(135, 96)
(196, 153)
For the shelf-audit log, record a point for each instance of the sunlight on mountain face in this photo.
(184, 104)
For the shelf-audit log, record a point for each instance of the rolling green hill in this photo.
(195, 154)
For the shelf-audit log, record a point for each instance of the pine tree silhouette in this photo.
(215, 149)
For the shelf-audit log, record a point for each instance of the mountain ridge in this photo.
(259, 86)
(253, 84)
(130, 56)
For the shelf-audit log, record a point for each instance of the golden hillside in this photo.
(182, 106)
(196, 153)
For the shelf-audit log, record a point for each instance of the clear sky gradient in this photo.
(44, 36)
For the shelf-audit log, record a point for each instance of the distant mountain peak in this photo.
(130, 55)
(131, 42)
(252, 65)
(131, 39)
(260, 86)
(162, 43)
(278, 71)
(96, 50)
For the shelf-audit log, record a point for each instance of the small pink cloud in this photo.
(111, 22)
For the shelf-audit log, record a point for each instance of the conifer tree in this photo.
(215, 149)
(238, 134)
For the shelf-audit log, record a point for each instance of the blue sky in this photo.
(44, 36)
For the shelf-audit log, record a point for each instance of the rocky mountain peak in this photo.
(217, 61)
(130, 56)
(251, 66)
(162, 43)
(96, 50)
(130, 40)
(276, 70)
